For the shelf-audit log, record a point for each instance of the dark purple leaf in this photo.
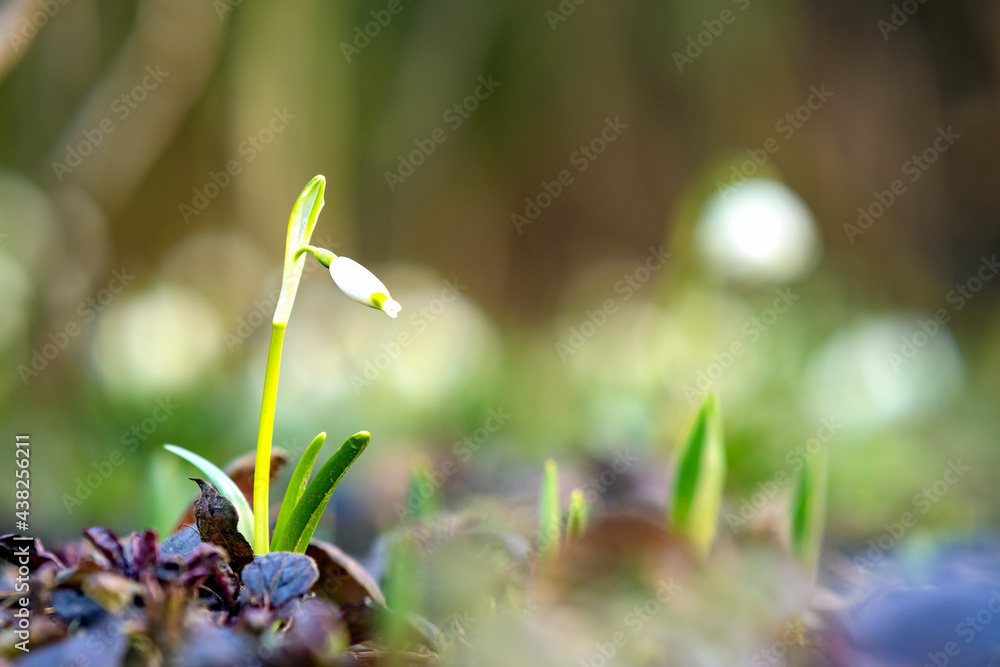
(104, 645)
(106, 542)
(141, 553)
(211, 645)
(71, 606)
(313, 623)
(275, 579)
(217, 520)
(181, 543)
(13, 551)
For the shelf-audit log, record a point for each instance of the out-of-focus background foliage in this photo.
(166, 140)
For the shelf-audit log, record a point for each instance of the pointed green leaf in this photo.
(300, 229)
(403, 590)
(808, 512)
(577, 522)
(225, 485)
(421, 494)
(304, 518)
(296, 487)
(549, 511)
(699, 476)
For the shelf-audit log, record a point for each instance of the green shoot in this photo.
(403, 594)
(578, 515)
(549, 511)
(295, 534)
(808, 513)
(296, 487)
(421, 495)
(699, 476)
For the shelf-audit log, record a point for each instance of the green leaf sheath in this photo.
(300, 228)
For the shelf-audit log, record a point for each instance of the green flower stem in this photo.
(300, 227)
(265, 434)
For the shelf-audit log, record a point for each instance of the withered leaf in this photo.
(347, 583)
(342, 579)
(217, 520)
(275, 579)
(242, 471)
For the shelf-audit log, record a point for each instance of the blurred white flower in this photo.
(761, 232)
(361, 285)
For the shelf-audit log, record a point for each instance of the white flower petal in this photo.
(361, 285)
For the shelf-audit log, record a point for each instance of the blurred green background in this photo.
(511, 171)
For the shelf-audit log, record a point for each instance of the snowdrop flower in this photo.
(361, 285)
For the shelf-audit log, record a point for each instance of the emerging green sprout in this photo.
(808, 513)
(549, 511)
(699, 475)
(576, 524)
